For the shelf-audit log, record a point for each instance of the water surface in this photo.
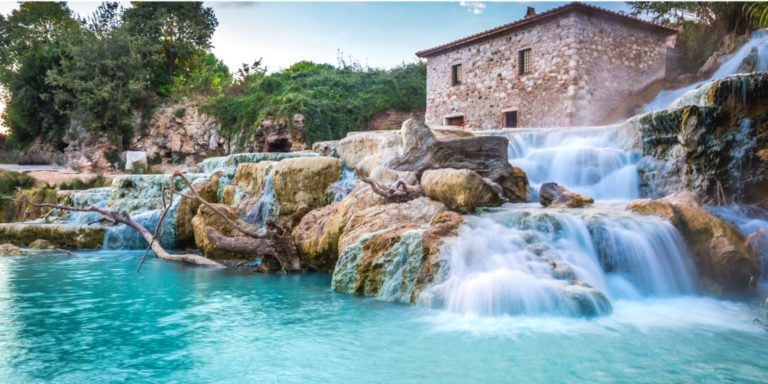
(92, 318)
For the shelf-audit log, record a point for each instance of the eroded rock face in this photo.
(710, 142)
(724, 262)
(208, 190)
(280, 136)
(27, 212)
(556, 196)
(303, 181)
(460, 189)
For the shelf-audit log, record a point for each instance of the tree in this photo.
(177, 32)
(30, 47)
(729, 16)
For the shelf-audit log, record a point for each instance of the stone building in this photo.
(570, 66)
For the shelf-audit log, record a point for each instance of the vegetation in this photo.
(102, 71)
(703, 24)
(333, 100)
(11, 181)
(94, 182)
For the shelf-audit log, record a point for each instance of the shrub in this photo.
(10, 181)
(94, 182)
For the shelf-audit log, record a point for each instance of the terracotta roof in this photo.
(531, 20)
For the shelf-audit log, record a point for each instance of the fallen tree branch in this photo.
(124, 218)
(279, 242)
(399, 192)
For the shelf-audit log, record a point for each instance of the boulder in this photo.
(443, 226)
(723, 260)
(326, 148)
(41, 244)
(8, 249)
(375, 147)
(486, 155)
(62, 236)
(208, 190)
(460, 189)
(554, 196)
(303, 181)
(207, 218)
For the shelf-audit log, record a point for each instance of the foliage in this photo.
(176, 33)
(333, 100)
(77, 184)
(757, 13)
(29, 48)
(11, 181)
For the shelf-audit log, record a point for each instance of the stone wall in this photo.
(393, 119)
(582, 65)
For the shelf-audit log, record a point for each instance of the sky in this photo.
(375, 34)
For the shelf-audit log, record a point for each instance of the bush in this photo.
(179, 112)
(94, 182)
(10, 181)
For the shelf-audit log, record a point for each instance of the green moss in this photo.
(64, 236)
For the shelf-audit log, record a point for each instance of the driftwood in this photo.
(399, 192)
(275, 241)
(124, 218)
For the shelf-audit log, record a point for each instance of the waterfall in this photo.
(688, 95)
(267, 206)
(595, 161)
(535, 261)
(338, 190)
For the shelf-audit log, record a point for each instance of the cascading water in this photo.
(267, 206)
(347, 182)
(522, 259)
(758, 43)
(595, 161)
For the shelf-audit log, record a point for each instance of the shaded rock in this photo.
(8, 249)
(723, 260)
(303, 181)
(27, 212)
(62, 236)
(326, 148)
(460, 189)
(41, 244)
(208, 190)
(443, 226)
(207, 218)
(555, 196)
(279, 135)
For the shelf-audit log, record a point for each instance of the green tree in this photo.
(177, 32)
(30, 47)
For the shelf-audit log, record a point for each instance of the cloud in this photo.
(475, 7)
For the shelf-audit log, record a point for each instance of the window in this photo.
(456, 74)
(524, 62)
(456, 121)
(510, 119)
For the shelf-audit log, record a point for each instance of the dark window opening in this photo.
(524, 63)
(457, 121)
(510, 119)
(456, 74)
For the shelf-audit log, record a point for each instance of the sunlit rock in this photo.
(460, 189)
(555, 196)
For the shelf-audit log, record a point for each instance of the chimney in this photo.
(530, 12)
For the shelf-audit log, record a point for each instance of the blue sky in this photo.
(377, 34)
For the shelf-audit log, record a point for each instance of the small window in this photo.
(524, 63)
(456, 121)
(510, 119)
(456, 74)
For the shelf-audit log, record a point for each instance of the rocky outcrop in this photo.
(710, 143)
(555, 196)
(205, 218)
(364, 151)
(280, 136)
(461, 190)
(247, 185)
(208, 190)
(303, 182)
(63, 236)
(723, 260)
(179, 129)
